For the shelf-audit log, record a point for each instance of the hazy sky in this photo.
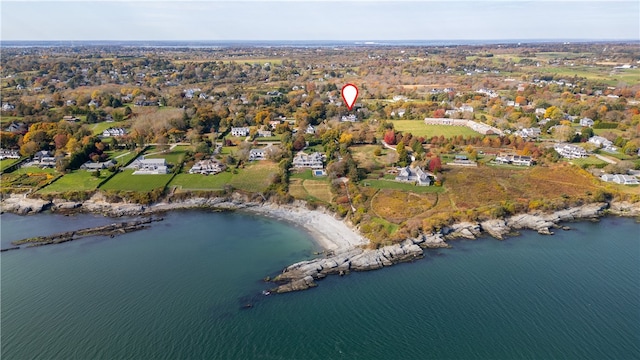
(319, 20)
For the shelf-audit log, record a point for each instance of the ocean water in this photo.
(178, 291)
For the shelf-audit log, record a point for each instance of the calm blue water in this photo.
(176, 291)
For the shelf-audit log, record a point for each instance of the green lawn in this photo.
(202, 182)
(255, 177)
(605, 74)
(76, 181)
(306, 175)
(7, 162)
(174, 157)
(127, 181)
(387, 184)
(419, 128)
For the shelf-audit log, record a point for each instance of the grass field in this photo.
(78, 180)
(588, 161)
(398, 206)
(27, 178)
(174, 157)
(604, 74)
(127, 181)
(7, 162)
(390, 184)
(419, 128)
(201, 182)
(255, 177)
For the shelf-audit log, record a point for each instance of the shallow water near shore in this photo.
(178, 290)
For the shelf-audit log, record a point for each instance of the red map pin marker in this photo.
(349, 95)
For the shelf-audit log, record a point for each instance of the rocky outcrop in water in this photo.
(22, 205)
(301, 276)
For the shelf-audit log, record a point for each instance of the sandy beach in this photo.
(330, 233)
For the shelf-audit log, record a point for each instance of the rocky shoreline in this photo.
(344, 246)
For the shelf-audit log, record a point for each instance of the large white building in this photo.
(149, 166)
(570, 151)
(240, 131)
(314, 160)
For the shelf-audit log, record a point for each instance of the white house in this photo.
(240, 131)
(514, 159)
(417, 175)
(7, 107)
(207, 167)
(620, 179)
(600, 141)
(313, 160)
(149, 166)
(9, 154)
(570, 151)
(264, 133)
(466, 108)
(349, 118)
(586, 122)
(114, 132)
(529, 133)
(310, 130)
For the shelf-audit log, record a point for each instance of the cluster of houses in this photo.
(207, 167)
(9, 154)
(512, 159)
(570, 151)
(415, 175)
(349, 118)
(144, 166)
(112, 132)
(602, 142)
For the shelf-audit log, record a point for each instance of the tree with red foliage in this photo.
(390, 137)
(438, 113)
(435, 164)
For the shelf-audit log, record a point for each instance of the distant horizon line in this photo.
(342, 42)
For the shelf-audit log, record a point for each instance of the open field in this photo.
(398, 206)
(607, 75)
(174, 157)
(310, 189)
(419, 128)
(390, 184)
(27, 178)
(202, 182)
(126, 181)
(588, 161)
(255, 177)
(78, 180)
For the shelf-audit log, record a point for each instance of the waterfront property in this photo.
(207, 167)
(417, 175)
(620, 179)
(144, 166)
(93, 166)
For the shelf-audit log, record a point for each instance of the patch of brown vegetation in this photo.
(397, 206)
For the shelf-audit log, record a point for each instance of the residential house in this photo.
(532, 133)
(9, 154)
(149, 166)
(258, 154)
(274, 123)
(600, 141)
(7, 107)
(207, 167)
(91, 166)
(240, 131)
(462, 160)
(70, 118)
(264, 133)
(570, 151)
(71, 103)
(303, 160)
(540, 111)
(620, 179)
(111, 132)
(519, 160)
(349, 118)
(417, 175)
(17, 128)
(44, 158)
(466, 108)
(310, 130)
(586, 122)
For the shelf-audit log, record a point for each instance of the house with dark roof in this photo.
(416, 175)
